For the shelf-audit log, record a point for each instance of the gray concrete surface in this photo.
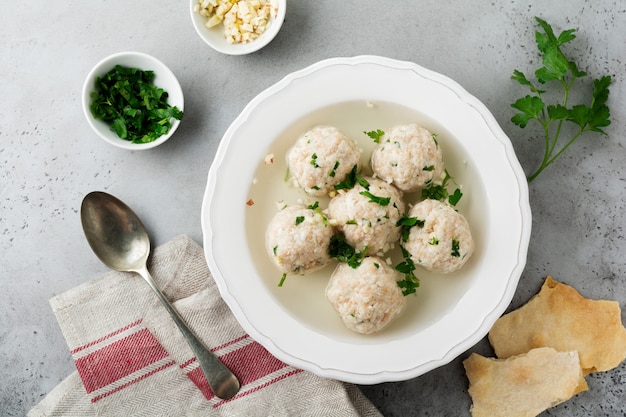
(49, 158)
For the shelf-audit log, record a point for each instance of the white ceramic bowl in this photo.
(164, 78)
(449, 313)
(214, 37)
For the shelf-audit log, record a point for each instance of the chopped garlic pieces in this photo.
(244, 20)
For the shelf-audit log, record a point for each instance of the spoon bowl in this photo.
(119, 239)
(114, 232)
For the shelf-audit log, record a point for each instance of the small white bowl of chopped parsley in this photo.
(132, 100)
(237, 27)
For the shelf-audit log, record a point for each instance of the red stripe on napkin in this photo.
(250, 363)
(113, 390)
(132, 353)
(197, 377)
(119, 359)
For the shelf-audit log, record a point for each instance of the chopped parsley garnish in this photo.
(434, 135)
(406, 223)
(136, 109)
(282, 280)
(299, 219)
(342, 251)
(314, 161)
(316, 208)
(440, 191)
(435, 192)
(351, 180)
(455, 197)
(274, 249)
(429, 168)
(363, 182)
(410, 282)
(434, 241)
(376, 135)
(455, 248)
(333, 171)
(383, 201)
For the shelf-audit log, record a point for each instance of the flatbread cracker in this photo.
(524, 385)
(559, 317)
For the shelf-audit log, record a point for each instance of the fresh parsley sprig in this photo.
(557, 67)
(375, 135)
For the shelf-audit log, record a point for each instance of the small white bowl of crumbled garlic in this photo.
(237, 27)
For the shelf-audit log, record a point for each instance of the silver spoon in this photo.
(120, 240)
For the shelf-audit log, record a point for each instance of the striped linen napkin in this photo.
(131, 359)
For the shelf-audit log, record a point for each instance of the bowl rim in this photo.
(215, 249)
(106, 64)
(244, 48)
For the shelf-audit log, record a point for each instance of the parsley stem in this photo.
(566, 88)
(546, 151)
(576, 136)
(537, 172)
(548, 158)
(548, 161)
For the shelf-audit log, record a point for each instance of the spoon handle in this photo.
(222, 381)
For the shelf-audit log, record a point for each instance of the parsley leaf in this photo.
(135, 108)
(406, 223)
(383, 201)
(455, 248)
(342, 251)
(314, 161)
(530, 108)
(556, 67)
(436, 191)
(316, 208)
(362, 182)
(455, 197)
(351, 180)
(376, 135)
(410, 282)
